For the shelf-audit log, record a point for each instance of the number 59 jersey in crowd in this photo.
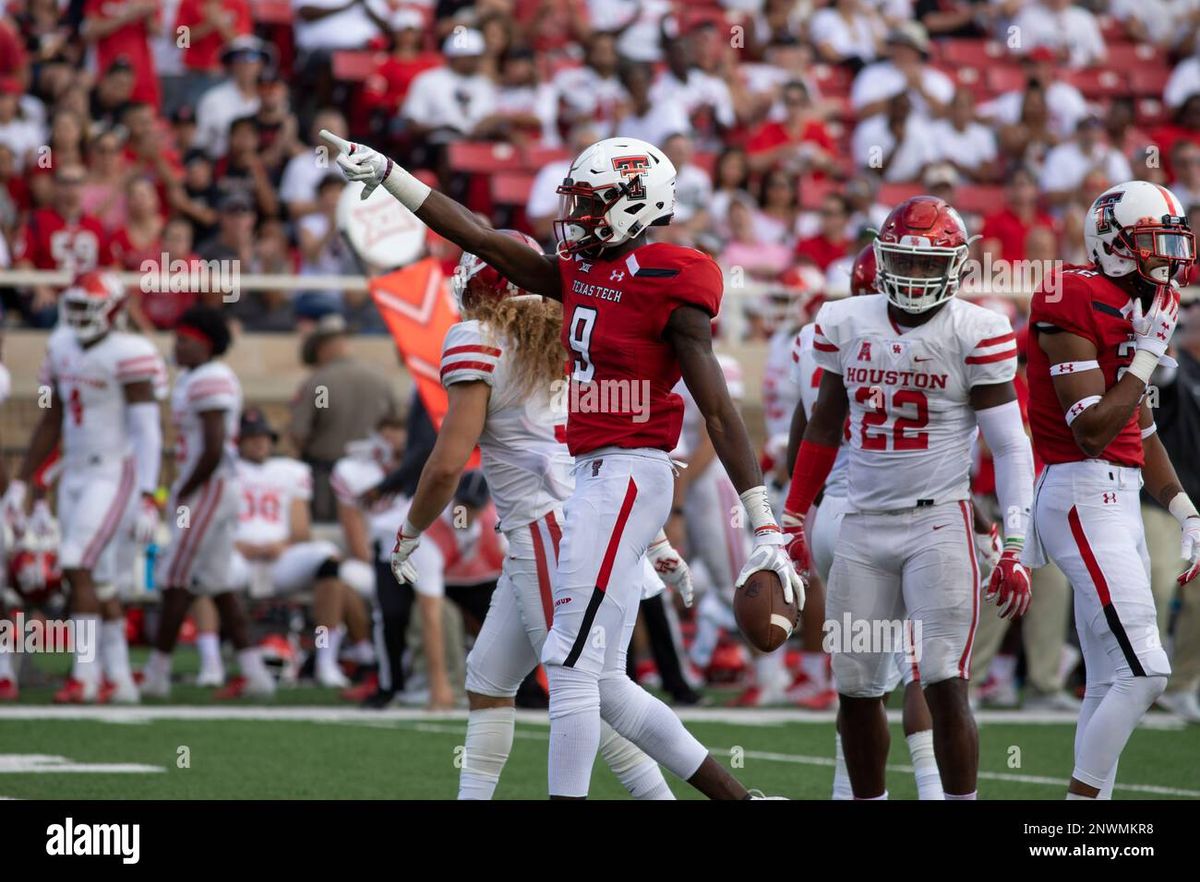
(91, 383)
(911, 421)
(622, 367)
(521, 446)
(211, 386)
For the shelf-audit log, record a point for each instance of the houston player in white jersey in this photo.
(503, 371)
(917, 370)
(103, 409)
(276, 554)
(1097, 333)
(203, 507)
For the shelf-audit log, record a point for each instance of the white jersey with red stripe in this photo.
(780, 391)
(911, 421)
(525, 459)
(268, 490)
(91, 382)
(211, 386)
(806, 374)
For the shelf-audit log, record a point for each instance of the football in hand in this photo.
(764, 616)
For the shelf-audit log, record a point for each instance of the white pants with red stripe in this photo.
(1087, 519)
(95, 501)
(622, 499)
(913, 570)
(712, 535)
(200, 555)
(824, 526)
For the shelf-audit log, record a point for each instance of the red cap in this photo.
(11, 86)
(1041, 53)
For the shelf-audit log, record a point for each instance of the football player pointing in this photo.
(1100, 330)
(636, 316)
(917, 370)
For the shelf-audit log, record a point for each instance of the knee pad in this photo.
(330, 568)
(572, 691)
(864, 675)
(480, 683)
(358, 575)
(623, 703)
(1142, 690)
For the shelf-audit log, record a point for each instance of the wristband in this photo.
(1076, 410)
(410, 192)
(1143, 365)
(1073, 367)
(1149, 430)
(1182, 508)
(758, 508)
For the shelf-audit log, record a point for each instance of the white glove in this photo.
(41, 519)
(671, 568)
(145, 523)
(988, 549)
(1152, 328)
(407, 540)
(359, 162)
(12, 507)
(1191, 549)
(770, 553)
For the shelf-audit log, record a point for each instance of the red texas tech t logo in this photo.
(632, 167)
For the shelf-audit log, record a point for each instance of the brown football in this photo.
(766, 619)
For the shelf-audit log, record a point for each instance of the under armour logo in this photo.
(616, 275)
(1076, 409)
(1110, 498)
(864, 351)
(1066, 368)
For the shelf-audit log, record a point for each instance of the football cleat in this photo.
(9, 690)
(77, 692)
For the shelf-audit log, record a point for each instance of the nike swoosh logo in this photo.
(922, 359)
(939, 526)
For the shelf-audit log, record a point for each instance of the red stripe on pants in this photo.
(964, 663)
(614, 540)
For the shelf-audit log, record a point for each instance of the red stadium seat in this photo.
(966, 51)
(1096, 83)
(893, 194)
(1004, 78)
(536, 157)
(1149, 82)
(1150, 113)
(832, 81)
(484, 157)
(812, 191)
(353, 66)
(1131, 56)
(511, 188)
(271, 11)
(978, 198)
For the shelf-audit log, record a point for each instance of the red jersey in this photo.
(204, 52)
(622, 369)
(1080, 301)
(1012, 231)
(50, 242)
(131, 40)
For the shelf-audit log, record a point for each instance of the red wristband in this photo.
(813, 464)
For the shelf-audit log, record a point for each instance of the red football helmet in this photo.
(920, 253)
(476, 277)
(33, 570)
(91, 307)
(863, 274)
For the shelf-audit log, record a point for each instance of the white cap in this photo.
(406, 18)
(463, 42)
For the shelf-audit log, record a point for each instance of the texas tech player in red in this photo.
(636, 316)
(1097, 333)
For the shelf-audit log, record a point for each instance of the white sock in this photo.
(814, 667)
(114, 651)
(651, 725)
(841, 774)
(489, 742)
(158, 666)
(6, 666)
(250, 663)
(883, 795)
(362, 652)
(925, 768)
(208, 643)
(574, 729)
(327, 655)
(88, 647)
(973, 795)
(639, 774)
(1004, 668)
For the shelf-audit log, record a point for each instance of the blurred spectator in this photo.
(800, 141)
(704, 99)
(276, 125)
(731, 178)
(593, 91)
(234, 237)
(958, 19)
(1011, 223)
(104, 192)
(847, 32)
(1061, 25)
(452, 102)
(298, 188)
(746, 248)
(112, 94)
(140, 237)
(322, 249)
(386, 87)
(896, 143)
(968, 145)
(1184, 125)
(542, 208)
(777, 220)
(833, 240)
(641, 117)
(638, 25)
(13, 58)
(160, 310)
(196, 195)
(866, 211)
(14, 192)
(1069, 163)
(1148, 21)
(1027, 140)
(528, 108)
(68, 134)
(17, 133)
(1185, 163)
(60, 237)
(168, 57)
(1183, 83)
(1123, 133)
(342, 401)
(322, 26)
(236, 96)
(1064, 104)
(123, 30)
(183, 128)
(693, 191)
(941, 181)
(243, 167)
(904, 70)
(210, 24)
(268, 310)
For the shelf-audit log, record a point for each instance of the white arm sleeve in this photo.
(145, 430)
(1004, 432)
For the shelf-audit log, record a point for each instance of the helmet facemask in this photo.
(88, 317)
(583, 223)
(917, 278)
(1168, 246)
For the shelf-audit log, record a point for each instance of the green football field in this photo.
(307, 744)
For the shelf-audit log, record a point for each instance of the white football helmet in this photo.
(93, 305)
(613, 191)
(1136, 223)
